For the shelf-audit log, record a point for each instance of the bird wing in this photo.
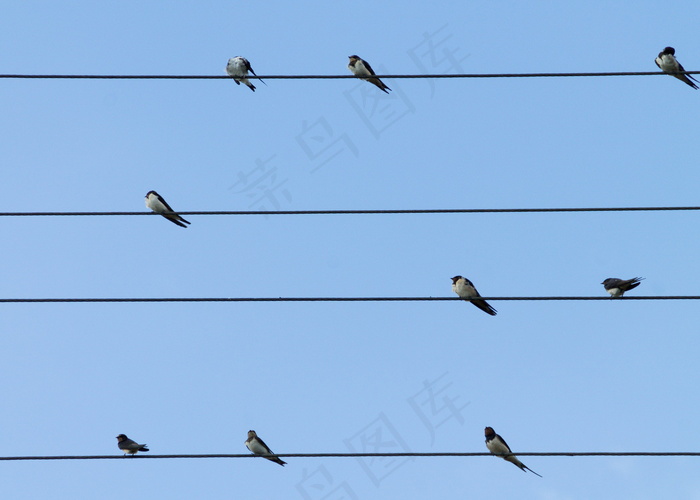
(369, 68)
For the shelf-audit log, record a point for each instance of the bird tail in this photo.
(513, 459)
(687, 80)
(484, 306)
(528, 468)
(178, 220)
(256, 76)
(634, 283)
(380, 84)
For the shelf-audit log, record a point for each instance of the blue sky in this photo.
(337, 377)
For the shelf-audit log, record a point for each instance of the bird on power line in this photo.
(361, 69)
(617, 287)
(465, 289)
(129, 445)
(667, 62)
(258, 447)
(238, 68)
(498, 446)
(157, 203)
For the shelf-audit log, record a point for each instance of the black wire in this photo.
(357, 455)
(338, 299)
(363, 212)
(333, 77)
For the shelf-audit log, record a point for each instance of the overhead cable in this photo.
(361, 455)
(363, 212)
(337, 77)
(335, 299)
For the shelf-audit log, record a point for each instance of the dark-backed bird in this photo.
(667, 62)
(157, 203)
(465, 289)
(129, 445)
(361, 69)
(498, 446)
(258, 447)
(617, 287)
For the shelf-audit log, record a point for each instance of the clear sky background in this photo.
(341, 377)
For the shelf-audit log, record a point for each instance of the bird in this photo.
(667, 62)
(498, 446)
(238, 68)
(129, 446)
(361, 69)
(258, 447)
(465, 289)
(617, 287)
(157, 203)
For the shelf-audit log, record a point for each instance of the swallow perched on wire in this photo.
(617, 287)
(155, 202)
(465, 289)
(361, 69)
(498, 446)
(238, 68)
(258, 447)
(667, 62)
(129, 446)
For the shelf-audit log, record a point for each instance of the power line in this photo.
(335, 77)
(363, 212)
(334, 299)
(360, 455)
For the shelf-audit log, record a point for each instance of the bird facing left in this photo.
(129, 446)
(258, 447)
(157, 203)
